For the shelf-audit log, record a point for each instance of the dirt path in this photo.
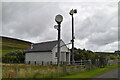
(114, 73)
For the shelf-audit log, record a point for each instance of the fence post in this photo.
(17, 72)
(64, 67)
(90, 64)
(42, 63)
(81, 64)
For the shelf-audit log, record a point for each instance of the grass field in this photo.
(92, 73)
(28, 71)
(32, 71)
(8, 44)
(38, 71)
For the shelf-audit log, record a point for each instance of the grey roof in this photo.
(42, 47)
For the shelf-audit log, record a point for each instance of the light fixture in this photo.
(59, 19)
(56, 26)
(73, 11)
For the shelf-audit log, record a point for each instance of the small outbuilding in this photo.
(46, 53)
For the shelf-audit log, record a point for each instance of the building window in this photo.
(29, 62)
(56, 54)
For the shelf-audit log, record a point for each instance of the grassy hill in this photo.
(10, 44)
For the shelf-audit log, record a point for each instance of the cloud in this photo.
(27, 20)
(95, 23)
(100, 27)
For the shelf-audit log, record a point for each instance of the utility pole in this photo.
(73, 37)
(58, 19)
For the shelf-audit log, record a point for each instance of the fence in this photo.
(111, 62)
(50, 70)
(77, 66)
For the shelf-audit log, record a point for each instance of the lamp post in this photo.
(58, 19)
(73, 37)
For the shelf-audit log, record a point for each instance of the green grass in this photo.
(11, 46)
(92, 73)
(14, 45)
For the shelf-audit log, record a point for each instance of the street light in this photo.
(58, 19)
(71, 13)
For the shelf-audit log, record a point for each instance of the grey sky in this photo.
(96, 24)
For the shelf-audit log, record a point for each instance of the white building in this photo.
(46, 53)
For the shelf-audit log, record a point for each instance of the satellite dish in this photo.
(56, 26)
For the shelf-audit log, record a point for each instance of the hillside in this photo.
(10, 44)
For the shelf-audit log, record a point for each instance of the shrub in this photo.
(112, 57)
(17, 56)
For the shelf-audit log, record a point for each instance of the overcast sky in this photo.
(96, 23)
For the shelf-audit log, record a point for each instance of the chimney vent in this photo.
(31, 46)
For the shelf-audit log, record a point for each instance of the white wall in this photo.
(63, 56)
(38, 57)
(63, 50)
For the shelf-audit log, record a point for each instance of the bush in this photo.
(83, 54)
(17, 56)
(112, 57)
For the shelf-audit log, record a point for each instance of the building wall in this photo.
(63, 56)
(46, 57)
(63, 50)
(38, 57)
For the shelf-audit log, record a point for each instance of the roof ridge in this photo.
(46, 42)
(43, 46)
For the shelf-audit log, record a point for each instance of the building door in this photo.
(67, 56)
(63, 56)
